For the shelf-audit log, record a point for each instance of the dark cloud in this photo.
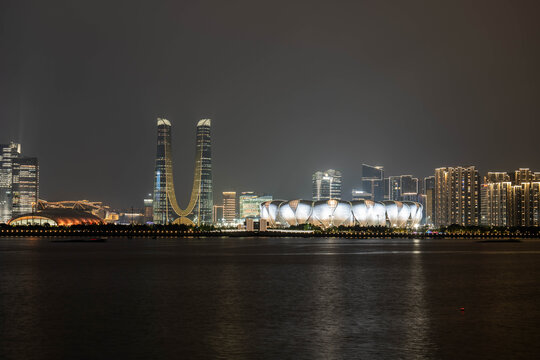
(291, 86)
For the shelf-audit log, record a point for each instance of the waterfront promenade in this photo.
(179, 231)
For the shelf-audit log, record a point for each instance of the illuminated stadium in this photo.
(330, 213)
(57, 217)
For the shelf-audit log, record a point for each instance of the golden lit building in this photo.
(229, 206)
(457, 196)
(511, 199)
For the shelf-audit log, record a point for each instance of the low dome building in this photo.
(330, 213)
(56, 217)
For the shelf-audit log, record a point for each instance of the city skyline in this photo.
(209, 179)
(384, 84)
(386, 182)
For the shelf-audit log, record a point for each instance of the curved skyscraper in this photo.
(199, 208)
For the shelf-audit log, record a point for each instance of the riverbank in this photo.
(178, 233)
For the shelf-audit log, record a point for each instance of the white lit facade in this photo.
(331, 213)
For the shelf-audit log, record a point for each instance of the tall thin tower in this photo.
(163, 211)
(203, 209)
(199, 209)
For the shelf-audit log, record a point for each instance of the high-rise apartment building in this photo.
(229, 206)
(511, 199)
(250, 204)
(457, 196)
(200, 206)
(327, 185)
(25, 185)
(522, 175)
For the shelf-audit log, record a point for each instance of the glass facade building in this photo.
(19, 182)
(163, 212)
(9, 152)
(249, 204)
(429, 199)
(25, 185)
(373, 182)
(203, 165)
(200, 207)
(326, 185)
(403, 187)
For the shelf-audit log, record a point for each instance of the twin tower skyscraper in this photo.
(165, 205)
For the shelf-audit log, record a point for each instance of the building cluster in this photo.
(452, 195)
(510, 199)
(236, 208)
(19, 182)
(76, 212)
(501, 199)
(372, 185)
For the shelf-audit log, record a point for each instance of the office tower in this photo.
(8, 153)
(326, 185)
(409, 185)
(25, 185)
(511, 199)
(203, 208)
(386, 186)
(403, 188)
(429, 199)
(163, 211)
(200, 206)
(373, 182)
(457, 196)
(148, 208)
(250, 203)
(229, 206)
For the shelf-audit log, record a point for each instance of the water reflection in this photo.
(417, 332)
(326, 297)
(227, 336)
(273, 299)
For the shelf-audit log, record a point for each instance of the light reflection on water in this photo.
(269, 298)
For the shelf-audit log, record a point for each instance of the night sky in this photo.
(291, 86)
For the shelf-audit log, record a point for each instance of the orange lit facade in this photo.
(56, 217)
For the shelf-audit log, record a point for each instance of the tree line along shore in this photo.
(453, 231)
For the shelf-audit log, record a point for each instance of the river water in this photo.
(257, 298)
